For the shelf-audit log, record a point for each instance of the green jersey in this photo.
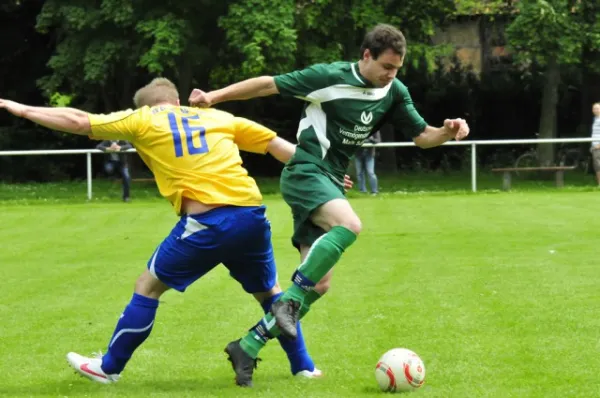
(342, 110)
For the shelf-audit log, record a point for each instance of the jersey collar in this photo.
(360, 78)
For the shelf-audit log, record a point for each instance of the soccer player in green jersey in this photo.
(345, 103)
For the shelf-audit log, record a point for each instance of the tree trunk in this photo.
(548, 115)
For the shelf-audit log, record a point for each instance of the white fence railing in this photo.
(472, 144)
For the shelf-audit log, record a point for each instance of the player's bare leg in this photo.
(343, 226)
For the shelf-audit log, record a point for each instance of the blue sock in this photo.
(133, 328)
(296, 350)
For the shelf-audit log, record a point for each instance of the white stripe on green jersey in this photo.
(342, 110)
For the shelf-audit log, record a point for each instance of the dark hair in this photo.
(383, 37)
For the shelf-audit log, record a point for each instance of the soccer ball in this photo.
(400, 370)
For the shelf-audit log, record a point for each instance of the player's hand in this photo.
(348, 183)
(13, 107)
(200, 98)
(457, 128)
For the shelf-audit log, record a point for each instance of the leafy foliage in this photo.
(94, 54)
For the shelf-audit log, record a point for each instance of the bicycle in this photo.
(577, 157)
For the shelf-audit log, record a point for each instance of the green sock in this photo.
(323, 254)
(310, 298)
(295, 293)
(252, 343)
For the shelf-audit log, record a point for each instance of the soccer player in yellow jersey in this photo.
(194, 155)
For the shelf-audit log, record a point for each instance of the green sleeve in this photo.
(303, 82)
(404, 116)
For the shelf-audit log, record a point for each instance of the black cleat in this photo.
(286, 316)
(242, 363)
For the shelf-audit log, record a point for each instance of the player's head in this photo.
(596, 109)
(382, 54)
(159, 91)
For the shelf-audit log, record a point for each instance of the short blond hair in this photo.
(157, 91)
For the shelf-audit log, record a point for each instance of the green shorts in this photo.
(305, 187)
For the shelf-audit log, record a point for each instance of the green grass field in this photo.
(497, 292)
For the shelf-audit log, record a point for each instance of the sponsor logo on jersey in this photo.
(360, 133)
(366, 118)
(355, 135)
(362, 128)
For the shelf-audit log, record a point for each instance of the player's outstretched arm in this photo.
(434, 136)
(247, 89)
(281, 149)
(68, 120)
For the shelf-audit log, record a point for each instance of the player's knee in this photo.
(276, 289)
(147, 285)
(353, 224)
(262, 296)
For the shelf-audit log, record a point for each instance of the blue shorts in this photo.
(237, 237)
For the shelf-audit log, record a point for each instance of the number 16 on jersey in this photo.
(193, 132)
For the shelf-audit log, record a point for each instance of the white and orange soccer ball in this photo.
(400, 370)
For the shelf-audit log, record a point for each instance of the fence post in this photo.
(474, 167)
(89, 175)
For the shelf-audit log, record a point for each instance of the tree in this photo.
(262, 37)
(484, 7)
(24, 52)
(110, 47)
(274, 36)
(554, 34)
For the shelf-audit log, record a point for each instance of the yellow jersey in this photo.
(192, 152)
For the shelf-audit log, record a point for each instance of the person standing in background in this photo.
(117, 161)
(595, 149)
(364, 162)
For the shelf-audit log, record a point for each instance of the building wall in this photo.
(479, 42)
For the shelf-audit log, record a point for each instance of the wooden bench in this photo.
(558, 170)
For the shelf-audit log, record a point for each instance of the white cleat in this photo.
(91, 368)
(307, 374)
